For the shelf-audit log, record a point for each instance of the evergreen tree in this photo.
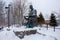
(41, 19)
(53, 21)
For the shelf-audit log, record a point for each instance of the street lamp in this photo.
(8, 14)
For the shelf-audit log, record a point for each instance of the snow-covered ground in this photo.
(8, 35)
(50, 32)
(42, 33)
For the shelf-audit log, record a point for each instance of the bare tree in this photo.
(20, 7)
(1, 11)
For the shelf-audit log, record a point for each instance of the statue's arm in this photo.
(26, 17)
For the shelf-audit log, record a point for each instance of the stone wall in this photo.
(21, 34)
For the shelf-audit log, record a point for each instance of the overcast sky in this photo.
(45, 6)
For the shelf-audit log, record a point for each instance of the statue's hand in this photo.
(26, 17)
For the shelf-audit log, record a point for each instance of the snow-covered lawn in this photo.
(42, 33)
(38, 37)
(8, 35)
(50, 32)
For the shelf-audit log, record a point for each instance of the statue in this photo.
(31, 18)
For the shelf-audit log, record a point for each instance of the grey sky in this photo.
(45, 6)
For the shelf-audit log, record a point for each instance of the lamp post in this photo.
(8, 14)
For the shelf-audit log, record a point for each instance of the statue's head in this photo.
(31, 7)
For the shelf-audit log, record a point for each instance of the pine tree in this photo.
(41, 19)
(53, 21)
